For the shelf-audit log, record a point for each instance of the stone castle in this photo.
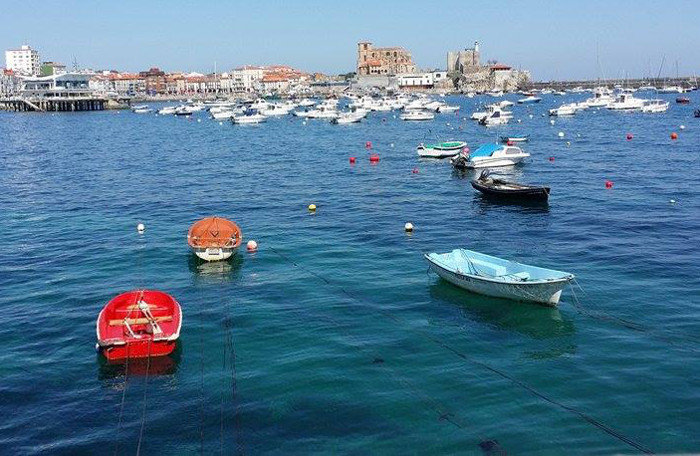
(387, 61)
(465, 61)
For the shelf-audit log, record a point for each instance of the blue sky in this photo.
(554, 39)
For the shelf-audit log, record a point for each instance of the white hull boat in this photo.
(655, 106)
(222, 115)
(417, 115)
(168, 110)
(494, 155)
(441, 150)
(500, 278)
(248, 119)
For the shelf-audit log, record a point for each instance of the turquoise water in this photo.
(332, 338)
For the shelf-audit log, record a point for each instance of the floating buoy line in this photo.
(569, 409)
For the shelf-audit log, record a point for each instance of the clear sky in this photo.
(554, 39)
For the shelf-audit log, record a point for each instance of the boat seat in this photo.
(521, 276)
(139, 321)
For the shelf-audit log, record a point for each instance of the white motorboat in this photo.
(348, 117)
(417, 115)
(655, 106)
(441, 150)
(250, 116)
(141, 109)
(184, 111)
(670, 89)
(321, 112)
(492, 155)
(493, 276)
(305, 103)
(626, 102)
(495, 93)
(222, 114)
(530, 99)
(563, 110)
(274, 110)
(447, 109)
(496, 117)
(167, 110)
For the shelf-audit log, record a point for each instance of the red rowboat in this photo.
(139, 324)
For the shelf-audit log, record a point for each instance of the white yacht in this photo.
(563, 110)
(167, 110)
(496, 117)
(142, 109)
(626, 102)
(655, 106)
(250, 116)
(670, 89)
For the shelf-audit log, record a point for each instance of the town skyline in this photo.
(547, 41)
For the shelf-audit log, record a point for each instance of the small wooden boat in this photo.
(493, 276)
(441, 150)
(139, 324)
(682, 100)
(498, 188)
(515, 138)
(214, 238)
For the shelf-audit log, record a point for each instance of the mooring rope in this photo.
(121, 406)
(598, 424)
(145, 399)
(201, 375)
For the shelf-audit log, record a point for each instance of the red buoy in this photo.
(629, 136)
(352, 160)
(374, 158)
(608, 184)
(551, 159)
(674, 135)
(415, 171)
(368, 145)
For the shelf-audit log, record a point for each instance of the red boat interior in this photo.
(139, 315)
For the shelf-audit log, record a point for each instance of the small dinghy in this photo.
(441, 150)
(493, 276)
(515, 138)
(139, 324)
(214, 238)
(491, 155)
(501, 189)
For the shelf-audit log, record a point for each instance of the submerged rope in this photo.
(598, 424)
(121, 406)
(145, 399)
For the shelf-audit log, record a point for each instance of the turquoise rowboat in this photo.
(493, 276)
(441, 150)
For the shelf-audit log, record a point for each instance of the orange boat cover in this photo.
(214, 232)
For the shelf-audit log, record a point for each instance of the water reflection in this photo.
(531, 320)
(215, 271)
(158, 365)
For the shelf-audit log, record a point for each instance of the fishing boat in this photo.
(441, 150)
(493, 155)
(214, 238)
(655, 106)
(417, 115)
(515, 138)
(492, 186)
(138, 324)
(497, 277)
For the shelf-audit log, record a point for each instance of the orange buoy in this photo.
(608, 184)
(214, 238)
(352, 160)
(674, 135)
(629, 136)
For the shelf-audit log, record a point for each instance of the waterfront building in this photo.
(428, 80)
(153, 81)
(388, 61)
(23, 61)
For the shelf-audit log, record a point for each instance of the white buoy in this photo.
(221, 123)
(531, 116)
(303, 122)
(682, 127)
(408, 227)
(672, 201)
(140, 228)
(252, 246)
(392, 144)
(561, 134)
(519, 120)
(551, 122)
(199, 120)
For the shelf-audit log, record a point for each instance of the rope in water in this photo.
(145, 399)
(121, 406)
(598, 424)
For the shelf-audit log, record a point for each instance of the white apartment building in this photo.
(23, 61)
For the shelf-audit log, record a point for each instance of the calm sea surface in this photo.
(332, 339)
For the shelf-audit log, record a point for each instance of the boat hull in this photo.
(214, 254)
(520, 194)
(548, 293)
(494, 162)
(137, 349)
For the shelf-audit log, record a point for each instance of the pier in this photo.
(44, 104)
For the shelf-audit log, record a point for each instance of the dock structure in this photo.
(56, 93)
(45, 104)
